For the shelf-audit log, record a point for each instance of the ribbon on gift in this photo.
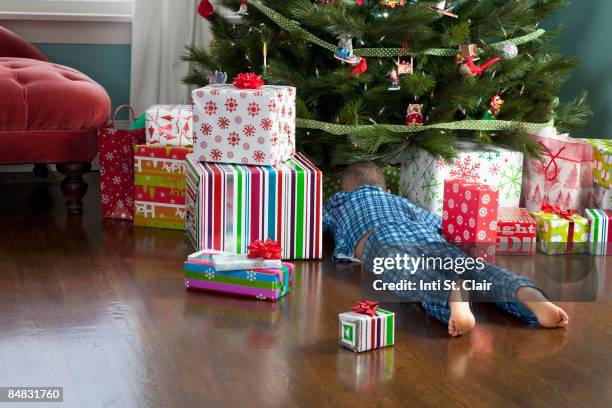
(552, 162)
(241, 262)
(267, 249)
(248, 81)
(566, 215)
(366, 307)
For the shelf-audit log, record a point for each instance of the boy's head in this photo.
(365, 173)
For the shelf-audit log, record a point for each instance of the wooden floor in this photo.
(99, 308)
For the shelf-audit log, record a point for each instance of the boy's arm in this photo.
(424, 216)
(334, 202)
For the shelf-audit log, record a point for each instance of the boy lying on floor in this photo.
(368, 223)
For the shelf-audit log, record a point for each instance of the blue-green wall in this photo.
(588, 32)
(109, 65)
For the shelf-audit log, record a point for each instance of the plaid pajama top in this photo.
(351, 215)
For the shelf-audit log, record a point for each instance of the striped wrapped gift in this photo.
(361, 332)
(231, 205)
(600, 237)
(263, 284)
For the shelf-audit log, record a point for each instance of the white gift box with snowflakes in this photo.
(422, 177)
(169, 125)
(244, 126)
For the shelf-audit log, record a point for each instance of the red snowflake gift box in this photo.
(469, 217)
(565, 176)
(244, 126)
(516, 232)
(170, 125)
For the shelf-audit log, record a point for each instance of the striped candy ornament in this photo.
(262, 284)
(600, 236)
(360, 332)
(231, 205)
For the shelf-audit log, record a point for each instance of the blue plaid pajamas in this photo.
(399, 227)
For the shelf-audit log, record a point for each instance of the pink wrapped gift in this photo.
(564, 177)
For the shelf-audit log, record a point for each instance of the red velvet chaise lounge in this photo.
(48, 115)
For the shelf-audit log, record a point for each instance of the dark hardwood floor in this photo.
(100, 308)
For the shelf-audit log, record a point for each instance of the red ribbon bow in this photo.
(366, 307)
(267, 249)
(553, 162)
(565, 214)
(248, 81)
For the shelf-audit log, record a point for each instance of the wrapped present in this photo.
(516, 232)
(422, 176)
(170, 125)
(469, 217)
(602, 154)
(116, 155)
(244, 126)
(160, 186)
(367, 327)
(229, 205)
(263, 284)
(600, 236)
(602, 197)
(561, 231)
(565, 176)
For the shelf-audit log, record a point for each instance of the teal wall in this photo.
(588, 32)
(109, 65)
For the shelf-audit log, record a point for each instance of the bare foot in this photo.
(549, 315)
(462, 320)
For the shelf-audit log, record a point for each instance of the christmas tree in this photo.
(376, 79)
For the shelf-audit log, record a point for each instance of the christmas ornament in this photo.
(394, 78)
(468, 69)
(205, 9)
(217, 78)
(494, 108)
(469, 50)
(392, 3)
(344, 51)
(440, 7)
(243, 10)
(414, 115)
(508, 50)
(360, 68)
(405, 67)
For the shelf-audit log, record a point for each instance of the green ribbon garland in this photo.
(293, 27)
(484, 125)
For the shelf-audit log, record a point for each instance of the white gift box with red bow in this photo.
(244, 126)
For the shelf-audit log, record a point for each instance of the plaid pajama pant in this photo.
(398, 239)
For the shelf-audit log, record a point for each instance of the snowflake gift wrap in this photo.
(244, 126)
(469, 217)
(262, 284)
(422, 177)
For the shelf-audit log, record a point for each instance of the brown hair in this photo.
(361, 174)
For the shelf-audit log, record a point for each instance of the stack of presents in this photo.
(225, 171)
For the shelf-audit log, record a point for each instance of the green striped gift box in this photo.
(600, 236)
(360, 332)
